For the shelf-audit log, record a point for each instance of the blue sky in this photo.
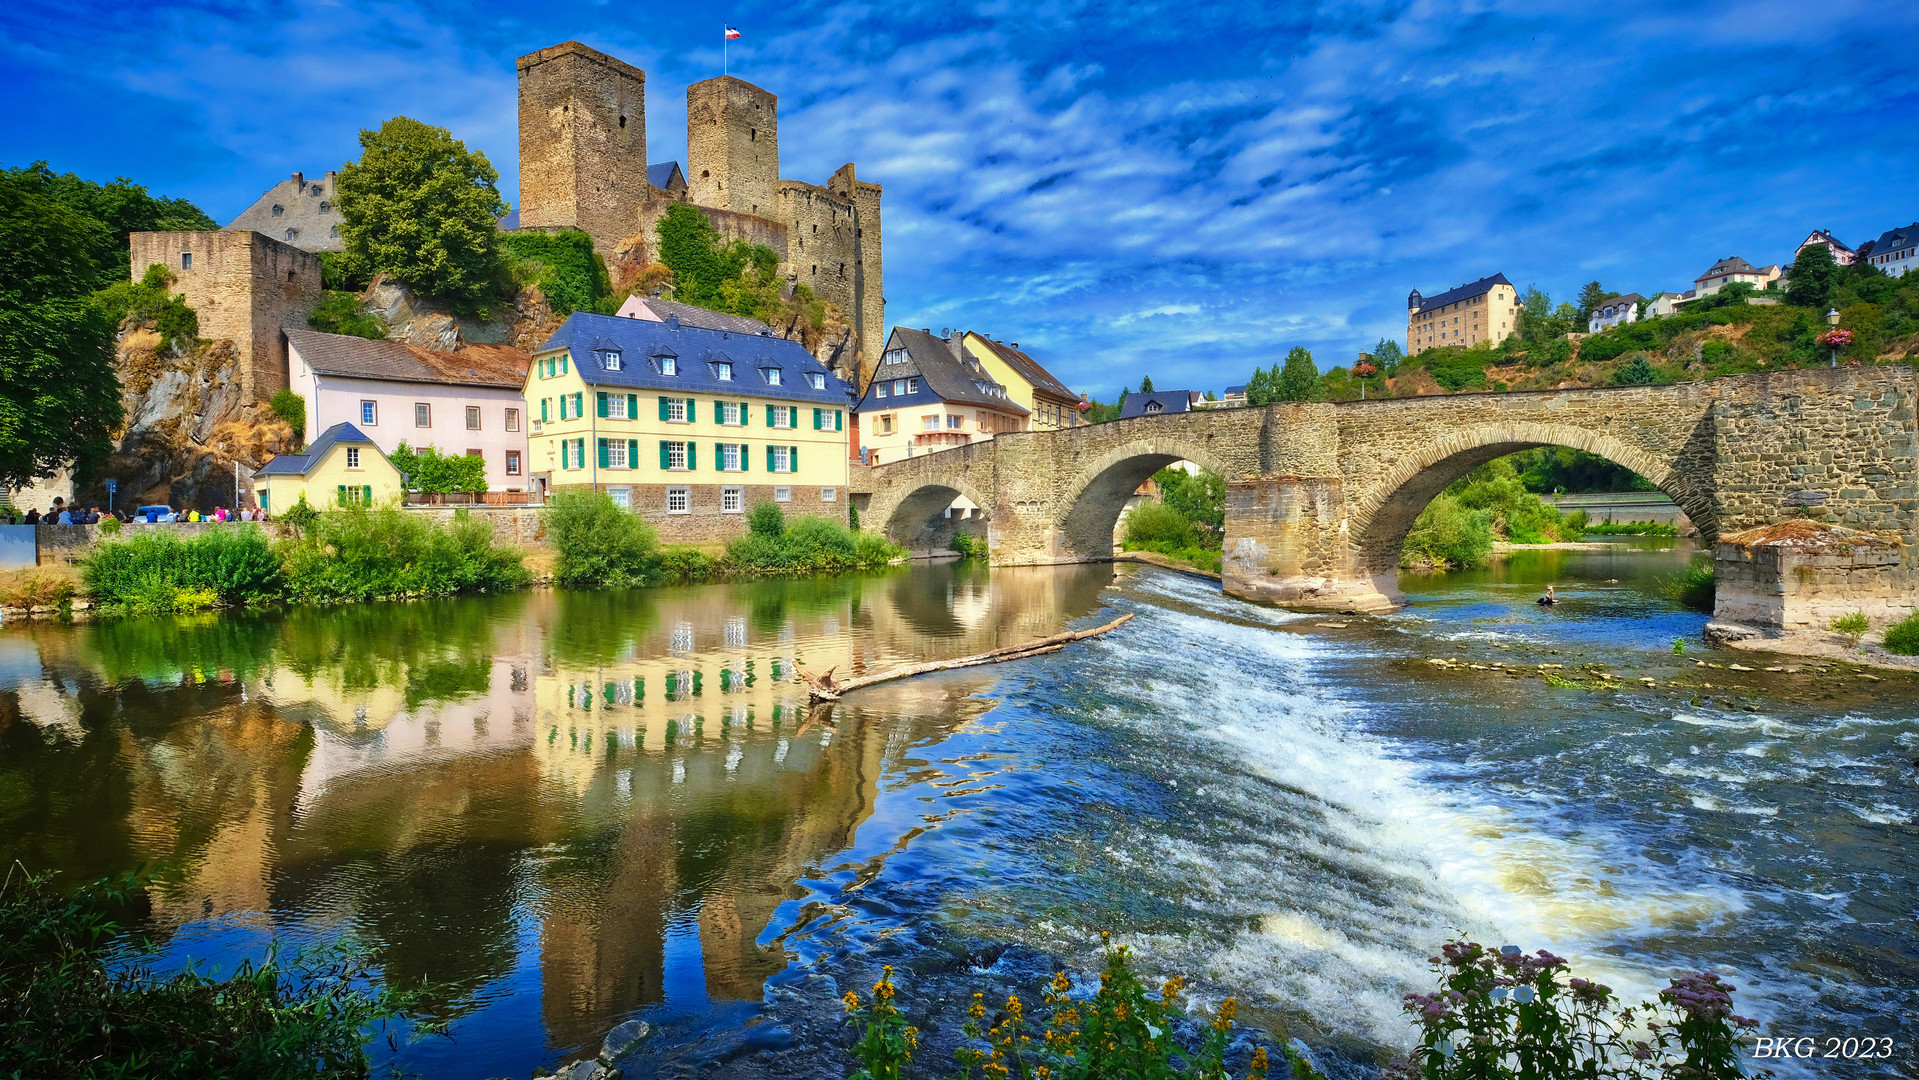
(1184, 191)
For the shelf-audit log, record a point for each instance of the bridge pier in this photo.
(1286, 544)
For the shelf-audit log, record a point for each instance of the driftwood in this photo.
(827, 688)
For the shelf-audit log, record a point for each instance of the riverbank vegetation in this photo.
(1630, 528)
(1187, 524)
(601, 545)
(1457, 529)
(1902, 637)
(1693, 587)
(77, 999)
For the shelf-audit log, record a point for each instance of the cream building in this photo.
(1050, 404)
(1733, 270)
(340, 468)
(929, 394)
(1485, 310)
(688, 426)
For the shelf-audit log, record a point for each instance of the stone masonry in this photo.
(582, 143)
(245, 287)
(1320, 496)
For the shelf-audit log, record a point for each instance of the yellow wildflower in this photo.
(852, 1001)
(1225, 1018)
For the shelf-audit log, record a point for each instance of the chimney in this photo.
(299, 181)
(1015, 345)
(673, 321)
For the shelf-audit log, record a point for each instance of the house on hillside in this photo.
(1895, 252)
(465, 402)
(1841, 254)
(1050, 403)
(1159, 402)
(929, 394)
(1484, 310)
(1665, 303)
(298, 211)
(340, 468)
(1615, 311)
(687, 425)
(1733, 270)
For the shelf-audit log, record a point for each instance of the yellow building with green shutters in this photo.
(687, 426)
(340, 468)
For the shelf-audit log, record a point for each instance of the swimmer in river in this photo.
(1549, 599)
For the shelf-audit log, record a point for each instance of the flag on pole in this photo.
(732, 34)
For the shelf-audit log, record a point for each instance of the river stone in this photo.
(623, 1038)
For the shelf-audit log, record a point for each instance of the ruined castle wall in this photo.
(582, 143)
(245, 287)
(822, 255)
(869, 286)
(732, 146)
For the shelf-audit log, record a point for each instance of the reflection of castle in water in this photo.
(639, 772)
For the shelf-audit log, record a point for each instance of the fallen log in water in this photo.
(826, 688)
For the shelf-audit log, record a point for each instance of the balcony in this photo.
(941, 440)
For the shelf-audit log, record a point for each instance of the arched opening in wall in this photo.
(1448, 513)
(926, 521)
(1147, 499)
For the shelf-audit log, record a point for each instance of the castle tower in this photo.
(732, 146)
(582, 142)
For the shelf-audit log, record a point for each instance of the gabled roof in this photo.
(1624, 298)
(1464, 292)
(698, 316)
(662, 174)
(1894, 239)
(298, 464)
(698, 350)
(1029, 369)
(1240, 390)
(300, 222)
(351, 357)
(1733, 264)
(1824, 236)
(945, 373)
(1169, 401)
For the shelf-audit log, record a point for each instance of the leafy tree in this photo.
(564, 265)
(1299, 379)
(1811, 277)
(1200, 497)
(421, 207)
(341, 313)
(1591, 297)
(735, 277)
(428, 470)
(120, 207)
(766, 519)
(152, 302)
(1146, 385)
(1387, 357)
(59, 397)
(1635, 372)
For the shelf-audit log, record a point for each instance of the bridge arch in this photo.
(1383, 513)
(1090, 503)
(915, 516)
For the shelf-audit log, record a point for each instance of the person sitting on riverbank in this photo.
(1549, 599)
(33, 516)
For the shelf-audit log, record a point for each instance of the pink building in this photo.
(465, 402)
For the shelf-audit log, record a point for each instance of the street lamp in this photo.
(1832, 320)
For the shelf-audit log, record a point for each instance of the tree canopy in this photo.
(1297, 380)
(117, 208)
(1811, 277)
(421, 207)
(1146, 385)
(428, 470)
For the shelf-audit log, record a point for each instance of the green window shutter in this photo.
(691, 413)
(839, 419)
(603, 454)
(632, 453)
(746, 413)
(600, 403)
(665, 462)
(367, 493)
(792, 459)
(769, 415)
(543, 402)
(719, 411)
(563, 359)
(579, 404)
(719, 456)
(769, 459)
(632, 406)
(818, 414)
(692, 455)
(342, 494)
(745, 458)
(662, 408)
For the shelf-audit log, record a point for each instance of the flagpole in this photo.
(725, 42)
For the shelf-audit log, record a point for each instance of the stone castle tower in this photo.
(583, 166)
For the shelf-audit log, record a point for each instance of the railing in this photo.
(474, 498)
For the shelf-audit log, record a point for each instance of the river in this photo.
(566, 809)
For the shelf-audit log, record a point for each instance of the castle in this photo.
(582, 118)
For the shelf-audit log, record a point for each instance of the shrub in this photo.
(151, 302)
(35, 589)
(1447, 535)
(1635, 372)
(570, 274)
(1200, 496)
(1902, 637)
(357, 554)
(1459, 371)
(1851, 626)
(1158, 523)
(1695, 586)
(599, 545)
(765, 519)
(292, 408)
(341, 313)
(680, 564)
(78, 999)
(109, 525)
(157, 572)
(969, 546)
(809, 545)
(428, 470)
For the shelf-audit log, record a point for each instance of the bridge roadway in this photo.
(1320, 496)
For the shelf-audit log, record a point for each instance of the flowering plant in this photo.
(1836, 339)
(1365, 370)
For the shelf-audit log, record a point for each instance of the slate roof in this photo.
(299, 198)
(1894, 239)
(298, 464)
(1030, 370)
(1453, 296)
(944, 376)
(697, 350)
(661, 175)
(1732, 264)
(396, 361)
(1624, 298)
(1240, 390)
(710, 320)
(1170, 401)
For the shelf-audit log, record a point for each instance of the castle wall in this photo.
(582, 143)
(245, 287)
(732, 146)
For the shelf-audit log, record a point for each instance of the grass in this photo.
(36, 588)
(1851, 626)
(1902, 637)
(1630, 528)
(1693, 587)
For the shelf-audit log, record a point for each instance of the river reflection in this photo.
(563, 805)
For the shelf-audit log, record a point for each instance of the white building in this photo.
(1616, 311)
(1841, 254)
(1733, 270)
(1895, 252)
(466, 402)
(1666, 303)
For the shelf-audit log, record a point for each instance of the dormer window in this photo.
(669, 365)
(610, 359)
(772, 376)
(880, 390)
(278, 209)
(1154, 406)
(817, 379)
(723, 371)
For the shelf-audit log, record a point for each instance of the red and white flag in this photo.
(732, 34)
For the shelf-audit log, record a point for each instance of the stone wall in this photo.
(1795, 577)
(582, 118)
(245, 287)
(732, 146)
(705, 523)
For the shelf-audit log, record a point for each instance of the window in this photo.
(829, 494)
(1153, 407)
(669, 365)
(352, 457)
(886, 424)
(912, 386)
(513, 463)
(723, 372)
(675, 410)
(732, 500)
(278, 209)
(899, 387)
(616, 453)
(186, 260)
(473, 418)
(513, 419)
(730, 413)
(679, 500)
(622, 497)
(894, 356)
(782, 458)
(953, 423)
(368, 413)
(772, 376)
(616, 407)
(676, 455)
(782, 494)
(930, 423)
(818, 379)
(881, 391)
(422, 414)
(729, 457)
(610, 360)
(325, 207)
(783, 416)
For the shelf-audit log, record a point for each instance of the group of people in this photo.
(63, 513)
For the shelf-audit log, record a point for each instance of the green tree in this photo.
(1592, 296)
(428, 470)
(1635, 372)
(1387, 356)
(1811, 277)
(59, 396)
(120, 207)
(421, 207)
(1299, 379)
(1146, 385)
(734, 277)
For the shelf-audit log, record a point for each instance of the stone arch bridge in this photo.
(1320, 496)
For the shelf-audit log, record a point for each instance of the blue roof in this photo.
(1169, 401)
(298, 464)
(660, 174)
(511, 221)
(641, 342)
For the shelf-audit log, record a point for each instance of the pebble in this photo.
(1874, 678)
(623, 1038)
(1739, 667)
